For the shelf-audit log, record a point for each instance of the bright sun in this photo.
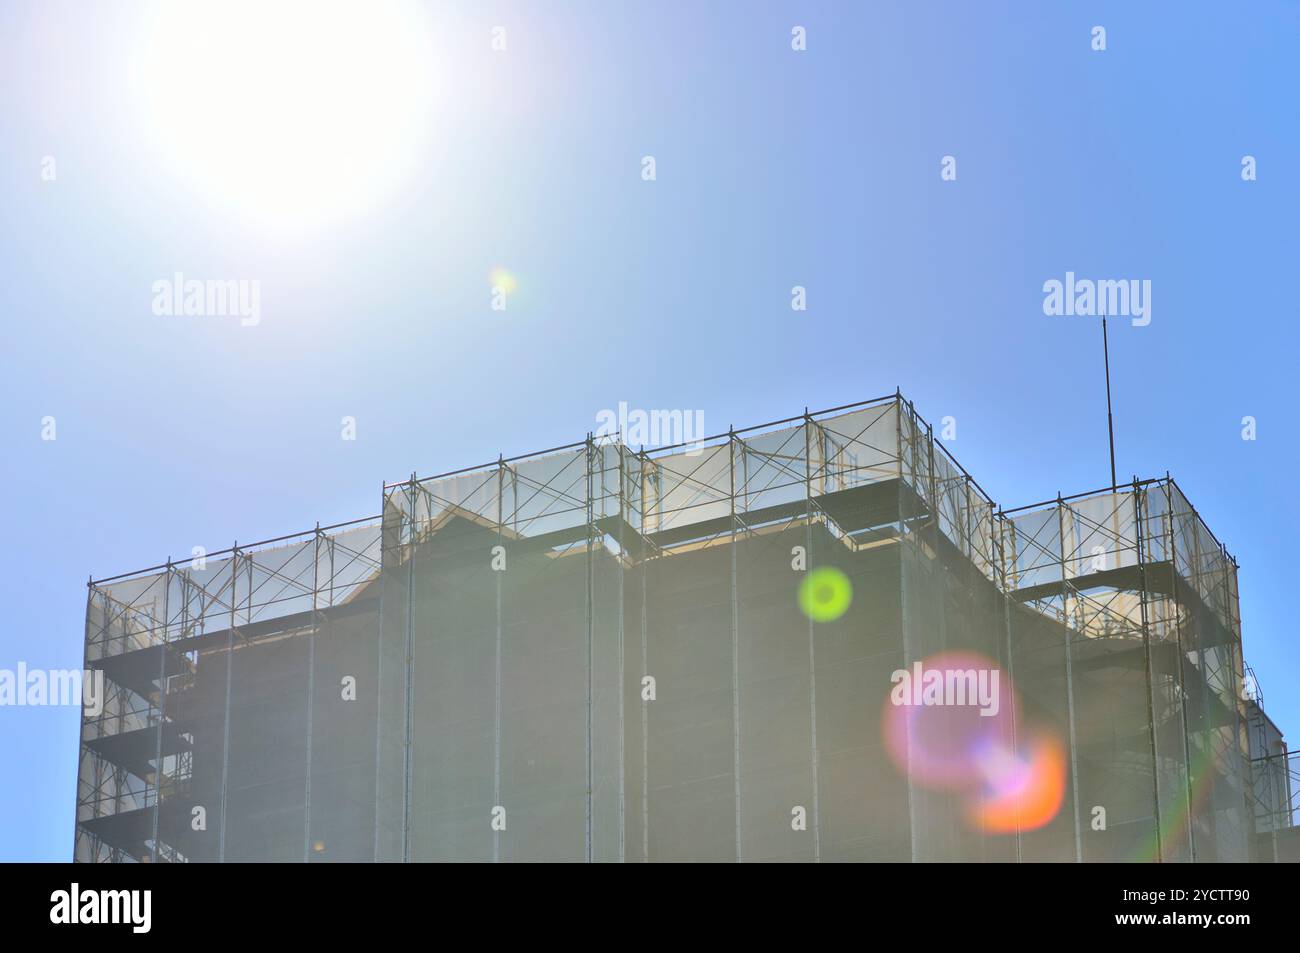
(290, 113)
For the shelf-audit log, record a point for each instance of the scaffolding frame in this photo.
(1128, 573)
(1276, 792)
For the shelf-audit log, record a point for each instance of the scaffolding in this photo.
(597, 653)
(1277, 802)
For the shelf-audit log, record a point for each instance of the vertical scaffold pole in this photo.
(735, 641)
(812, 643)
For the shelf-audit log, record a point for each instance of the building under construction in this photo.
(598, 653)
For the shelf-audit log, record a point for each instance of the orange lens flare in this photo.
(1028, 793)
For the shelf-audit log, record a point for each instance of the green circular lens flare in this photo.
(825, 594)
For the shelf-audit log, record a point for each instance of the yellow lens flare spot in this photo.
(825, 594)
(502, 279)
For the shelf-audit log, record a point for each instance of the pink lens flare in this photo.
(950, 724)
(939, 743)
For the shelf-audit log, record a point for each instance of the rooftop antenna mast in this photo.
(1110, 419)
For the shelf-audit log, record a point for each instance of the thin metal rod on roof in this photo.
(1110, 419)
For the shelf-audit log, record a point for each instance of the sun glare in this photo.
(289, 113)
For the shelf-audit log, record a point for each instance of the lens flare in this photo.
(1023, 793)
(504, 280)
(944, 746)
(1006, 780)
(825, 594)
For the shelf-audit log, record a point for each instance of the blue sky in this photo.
(775, 168)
